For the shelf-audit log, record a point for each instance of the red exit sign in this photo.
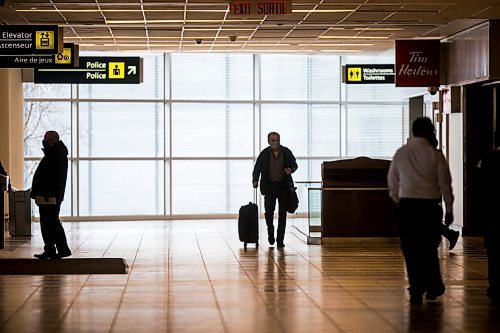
(261, 7)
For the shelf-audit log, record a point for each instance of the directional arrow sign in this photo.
(95, 70)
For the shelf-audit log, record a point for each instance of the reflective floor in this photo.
(195, 276)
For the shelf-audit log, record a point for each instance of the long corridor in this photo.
(195, 276)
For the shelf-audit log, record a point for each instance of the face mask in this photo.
(45, 144)
(275, 145)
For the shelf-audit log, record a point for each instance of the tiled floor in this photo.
(195, 276)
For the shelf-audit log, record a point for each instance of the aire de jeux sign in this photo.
(417, 63)
(67, 58)
(95, 70)
(260, 7)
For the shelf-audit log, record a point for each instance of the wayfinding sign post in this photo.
(368, 74)
(30, 39)
(110, 70)
(67, 58)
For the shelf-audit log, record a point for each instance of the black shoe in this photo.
(45, 255)
(415, 300)
(453, 239)
(432, 295)
(281, 245)
(63, 254)
(270, 233)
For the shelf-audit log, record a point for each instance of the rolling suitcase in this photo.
(248, 223)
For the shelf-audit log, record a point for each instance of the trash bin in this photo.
(19, 213)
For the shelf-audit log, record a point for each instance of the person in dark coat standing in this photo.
(49, 184)
(274, 167)
(490, 172)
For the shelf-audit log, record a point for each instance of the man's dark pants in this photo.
(420, 227)
(492, 243)
(278, 191)
(52, 230)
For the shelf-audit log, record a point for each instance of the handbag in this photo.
(293, 201)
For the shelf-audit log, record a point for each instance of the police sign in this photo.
(95, 70)
(368, 74)
(30, 39)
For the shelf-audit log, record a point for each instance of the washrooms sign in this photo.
(30, 39)
(95, 70)
(368, 74)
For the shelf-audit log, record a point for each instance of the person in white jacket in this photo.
(418, 177)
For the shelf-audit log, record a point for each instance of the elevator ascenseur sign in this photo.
(30, 39)
(95, 70)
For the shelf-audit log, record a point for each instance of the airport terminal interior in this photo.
(164, 107)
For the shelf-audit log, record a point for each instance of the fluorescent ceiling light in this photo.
(124, 10)
(323, 10)
(217, 29)
(336, 51)
(177, 21)
(354, 37)
(337, 44)
(366, 29)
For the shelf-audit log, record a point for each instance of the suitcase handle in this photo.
(255, 196)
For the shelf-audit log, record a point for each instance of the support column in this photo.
(11, 132)
(11, 125)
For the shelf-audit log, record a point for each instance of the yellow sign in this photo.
(65, 57)
(116, 70)
(354, 74)
(44, 40)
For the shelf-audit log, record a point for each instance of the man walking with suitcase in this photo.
(274, 167)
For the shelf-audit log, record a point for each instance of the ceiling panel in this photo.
(314, 25)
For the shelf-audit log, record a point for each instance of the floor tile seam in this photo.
(354, 296)
(118, 308)
(58, 323)
(269, 308)
(214, 294)
(6, 321)
(304, 291)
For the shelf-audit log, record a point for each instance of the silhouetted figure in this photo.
(274, 167)
(2, 170)
(49, 184)
(418, 176)
(450, 234)
(490, 172)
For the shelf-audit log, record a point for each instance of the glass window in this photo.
(121, 129)
(284, 77)
(50, 91)
(374, 130)
(211, 187)
(40, 117)
(212, 76)
(122, 188)
(212, 130)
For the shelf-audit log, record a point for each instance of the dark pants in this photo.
(420, 225)
(492, 243)
(277, 191)
(52, 230)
